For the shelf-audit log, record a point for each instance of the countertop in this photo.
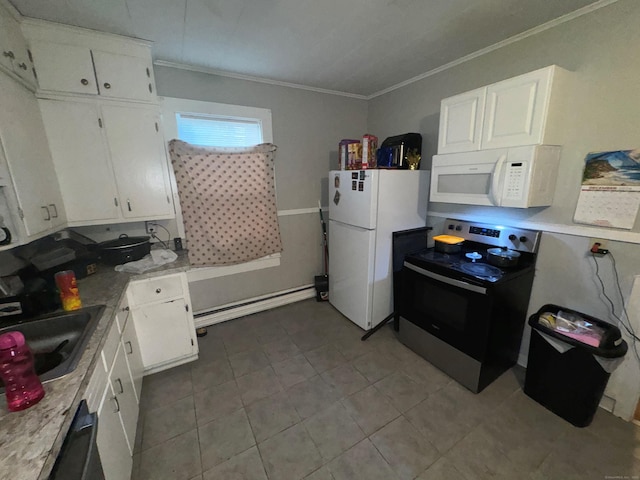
(30, 440)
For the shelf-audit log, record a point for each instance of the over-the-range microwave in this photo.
(518, 177)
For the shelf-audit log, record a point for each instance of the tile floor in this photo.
(293, 393)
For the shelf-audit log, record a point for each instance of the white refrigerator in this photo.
(365, 208)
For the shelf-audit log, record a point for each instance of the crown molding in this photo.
(516, 38)
(238, 76)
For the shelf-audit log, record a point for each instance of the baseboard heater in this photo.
(254, 305)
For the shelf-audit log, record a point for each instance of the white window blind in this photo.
(218, 131)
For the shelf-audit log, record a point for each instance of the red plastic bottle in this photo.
(21, 384)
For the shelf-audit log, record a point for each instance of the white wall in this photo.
(307, 127)
(604, 114)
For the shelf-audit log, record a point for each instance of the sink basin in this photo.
(57, 340)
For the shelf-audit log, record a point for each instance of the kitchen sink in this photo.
(57, 340)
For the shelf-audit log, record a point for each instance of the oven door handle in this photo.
(447, 280)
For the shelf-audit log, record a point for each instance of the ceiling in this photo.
(360, 47)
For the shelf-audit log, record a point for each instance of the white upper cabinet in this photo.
(110, 160)
(461, 122)
(33, 177)
(64, 68)
(138, 158)
(81, 160)
(14, 56)
(524, 110)
(75, 61)
(124, 76)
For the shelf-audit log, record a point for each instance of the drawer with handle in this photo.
(155, 290)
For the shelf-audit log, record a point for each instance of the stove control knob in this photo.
(523, 239)
(458, 227)
(451, 226)
(512, 237)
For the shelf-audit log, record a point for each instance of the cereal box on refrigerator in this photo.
(343, 153)
(369, 147)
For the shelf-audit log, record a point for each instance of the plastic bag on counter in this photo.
(155, 259)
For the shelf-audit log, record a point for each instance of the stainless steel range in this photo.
(462, 313)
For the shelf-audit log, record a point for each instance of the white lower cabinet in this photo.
(125, 397)
(161, 312)
(115, 457)
(114, 392)
(131, 348)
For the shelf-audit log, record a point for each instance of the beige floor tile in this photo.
(224, 438)
(361, 462)
(257, 385)
(290, 455)
(345, 379)
(325, 358)
(402, 391)
(370, 409)
(163, 423)
(271, 415)
(404, 448)
(311, 396)
(244, 466)
(293, 370)
(216, 402)
(248, 362)
(175, 459)
(333, 430)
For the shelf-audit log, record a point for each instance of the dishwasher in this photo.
(78, 458)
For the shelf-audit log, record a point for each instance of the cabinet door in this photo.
(139, 161)
(25, 146)
(123, 389)
(131, 349)
(80, 158)
(64, 68)
(13, 49)
(165, 332)
(124, 76)
(461, 122)
(516, 109)
(115, 457)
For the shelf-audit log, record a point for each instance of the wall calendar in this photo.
(610, 192)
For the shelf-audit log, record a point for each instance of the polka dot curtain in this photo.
(228, 201)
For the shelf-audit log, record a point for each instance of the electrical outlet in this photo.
(150, 227)
(598, 246)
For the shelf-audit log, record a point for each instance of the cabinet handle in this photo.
(125, 309)
(158, 290)
(107, 85)
(8, 54)
(129, 205)
(148, 72)
(150, 89)
(115, 400)
(84, 81)
(120, 385)
(46, 209)
(130, 351)
(55, 210)
(115, 200)
(23, 66)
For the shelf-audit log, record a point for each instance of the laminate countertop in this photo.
(31, 439)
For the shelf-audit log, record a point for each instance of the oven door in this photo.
(455, 311)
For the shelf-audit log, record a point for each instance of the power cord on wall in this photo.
(153, 235)
(620, 318)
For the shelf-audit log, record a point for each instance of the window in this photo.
(218, 131)
(215, 124)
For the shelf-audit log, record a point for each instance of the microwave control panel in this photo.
(514, 180)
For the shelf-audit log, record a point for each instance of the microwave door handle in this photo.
(495, 195)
